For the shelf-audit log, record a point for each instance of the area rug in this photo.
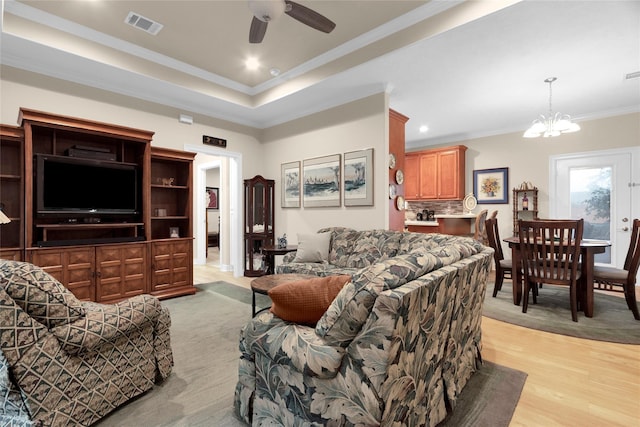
(199, 392)
(612, 321)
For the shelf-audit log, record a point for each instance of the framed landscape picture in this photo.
(358, 178)
(491, 185)
(321, 181)
(290, 185)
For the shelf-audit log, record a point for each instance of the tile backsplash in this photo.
(440, 206)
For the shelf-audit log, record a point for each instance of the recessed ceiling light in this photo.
(252, 63)
(424, 128)
(274, 71)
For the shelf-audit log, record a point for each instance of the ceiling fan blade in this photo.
(309, 17)
(257, 30)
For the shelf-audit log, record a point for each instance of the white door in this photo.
(598, 187)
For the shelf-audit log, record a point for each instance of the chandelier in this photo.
(553, 124)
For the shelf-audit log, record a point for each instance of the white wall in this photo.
(354, 126)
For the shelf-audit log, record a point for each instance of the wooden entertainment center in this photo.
(143, 245)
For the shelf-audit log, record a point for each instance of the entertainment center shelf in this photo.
(97, 206)
(12, 191)
(52, 232)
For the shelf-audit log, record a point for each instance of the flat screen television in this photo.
(85, 187)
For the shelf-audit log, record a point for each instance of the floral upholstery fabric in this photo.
(396, 347)
(74, 373)
(351, 250)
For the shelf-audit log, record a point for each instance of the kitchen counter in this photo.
(455, 224)
(422, 223)
(463, 216)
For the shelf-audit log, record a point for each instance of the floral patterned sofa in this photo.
(395, 348)
(65, 362)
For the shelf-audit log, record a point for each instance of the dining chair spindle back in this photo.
(550, 251)
(503, 266)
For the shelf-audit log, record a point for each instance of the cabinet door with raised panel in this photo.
(121, 271)
(171, 263)
(411, 176)
(449, 176)
(73, 267)
(429, 176)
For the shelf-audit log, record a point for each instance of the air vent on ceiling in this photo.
(633, 75)
(142, 23)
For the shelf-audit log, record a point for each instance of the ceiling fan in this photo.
(268, 10)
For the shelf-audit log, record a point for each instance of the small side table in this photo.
(262, 285)
(270, 253)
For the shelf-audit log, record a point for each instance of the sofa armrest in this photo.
(18, 331)
(290, 344)
(105, 322)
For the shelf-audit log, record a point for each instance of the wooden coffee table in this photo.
(262, 285)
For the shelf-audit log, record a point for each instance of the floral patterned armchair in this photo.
(68, 363)
(395, 348)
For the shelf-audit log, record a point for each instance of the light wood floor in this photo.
(571, 382)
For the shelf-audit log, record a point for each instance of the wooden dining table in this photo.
(588, 249)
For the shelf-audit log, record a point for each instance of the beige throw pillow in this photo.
(313, 247)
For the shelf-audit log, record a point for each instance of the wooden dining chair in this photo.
(550, 251)
(480, 233)
(623, 279)
(503, 266)
(494, 214)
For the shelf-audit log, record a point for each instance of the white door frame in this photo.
(234, 209)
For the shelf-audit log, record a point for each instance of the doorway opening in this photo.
(230, 207)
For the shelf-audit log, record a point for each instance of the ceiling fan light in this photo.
(267, 10)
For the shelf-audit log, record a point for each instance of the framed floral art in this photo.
(490, 186)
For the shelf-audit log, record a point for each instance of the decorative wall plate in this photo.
(400, 203)
(392, 191)
(399, 176)
(469, 203)
(392, 161)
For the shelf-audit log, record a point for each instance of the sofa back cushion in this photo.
(39, 294)
(372, 246)
(342, 241)
(349, 311)
(358, 249)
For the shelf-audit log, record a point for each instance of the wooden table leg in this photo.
(587, 281)
(253, 304)
(516, 274)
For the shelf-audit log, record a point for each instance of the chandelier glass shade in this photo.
(553, 124)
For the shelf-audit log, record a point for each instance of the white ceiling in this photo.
(464, 69)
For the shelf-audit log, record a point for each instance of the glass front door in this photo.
(596, 186)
